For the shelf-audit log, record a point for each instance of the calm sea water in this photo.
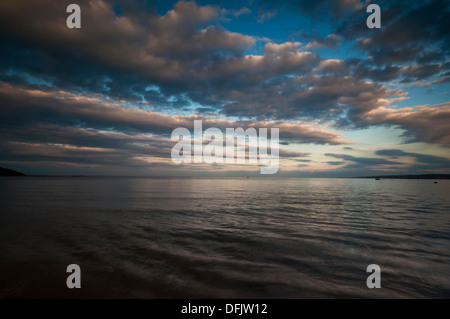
(223, 238)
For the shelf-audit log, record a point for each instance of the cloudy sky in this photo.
(104, 99)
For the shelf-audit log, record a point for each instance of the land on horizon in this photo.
(10, 172)
(417, 176)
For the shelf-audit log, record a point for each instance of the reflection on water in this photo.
(227, 238)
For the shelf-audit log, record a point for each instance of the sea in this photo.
(292, 238)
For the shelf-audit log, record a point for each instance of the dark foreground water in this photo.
(223, 238)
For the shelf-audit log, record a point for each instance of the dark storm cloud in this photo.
(366, 161)
(409, 30)
(367, 69)
(288, 153)
(91, 138)
(430, 56)
(26, 152)
(311, 96)
(420, 72)
(364, 70)
(335, 163)
(421, 123)
(423, 161)
(383, 55)
(410, 24)
(412, 45)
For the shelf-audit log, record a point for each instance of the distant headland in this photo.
(421, 176)
(10, 172)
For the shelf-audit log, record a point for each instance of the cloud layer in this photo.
(113, 91)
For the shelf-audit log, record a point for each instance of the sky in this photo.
(104, 99)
